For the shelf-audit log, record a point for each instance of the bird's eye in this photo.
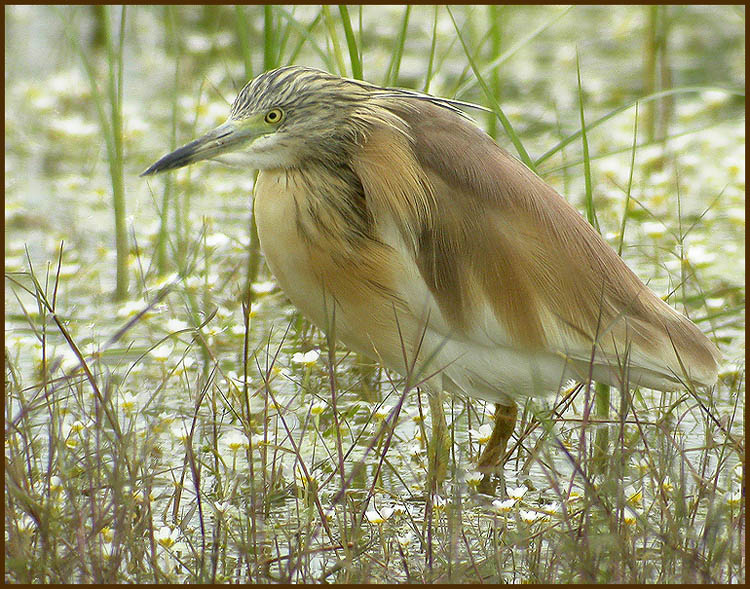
(274, 116)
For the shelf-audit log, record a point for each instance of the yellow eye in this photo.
(274, 116)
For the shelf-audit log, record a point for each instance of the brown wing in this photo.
(501, 237)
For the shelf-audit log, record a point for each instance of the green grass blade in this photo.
(589, 196)
(351, 42)
(391, 77)
(515, 139)
(685, 90)
(334, 39)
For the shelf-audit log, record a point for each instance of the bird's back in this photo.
(532, 273)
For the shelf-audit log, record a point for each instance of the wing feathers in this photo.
(509, 261)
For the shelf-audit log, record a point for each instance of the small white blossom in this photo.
(633, 496)
(319, 407)
(483, 434)
(130, 402)
(382, 411)
(734, 498)
(235, 441)
(574, 496)
(439, 503)
(261, 288)
(130, 309)
(416, 450)
(175, 324)
(223, 508)
(517, 493)
(162, 352)
(473, 478)
(167, 536)
(503, 506)
(55, 484)
(26, 524)
(108, 549)
(107, 534)
(216, 240)
(375, 516)
(306, 358)
(642, 465)
(416, 416)
(405, 539)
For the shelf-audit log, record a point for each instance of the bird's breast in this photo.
(339, 285)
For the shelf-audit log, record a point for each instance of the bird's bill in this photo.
(221, 140)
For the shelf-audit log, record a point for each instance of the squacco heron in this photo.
(390, 219)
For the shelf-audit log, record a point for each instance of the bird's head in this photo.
(288, 116)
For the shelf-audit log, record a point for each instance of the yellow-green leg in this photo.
(438, 452)
(492, 460)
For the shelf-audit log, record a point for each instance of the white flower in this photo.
(483, 434)
(714, 97)
(319, 407)
(382, 411)
(261, 288)
(503, 506)
(130, 308)
(473, 478)
(167, 536)
(517, 493)
(175, 324)
(129, 402)
(108, 549)
(164, 279)
(653, 229)
(307, 358)
(642, 465)
(574, 495)
(305, 480)
(223, 507)
(91, 349)
(733, 498)
(405, 539)
(179, 431)
(107, 534)
(699, 255)
(529, 516)
(416, 450)
(439, 503)
(26, 524)
(161, 352)
(375, 516)
(73, 126)
(235, 440)
(55, 484)
(76, 427)
(633, 496)
(416, 416)
(216, 240)
(193, 282)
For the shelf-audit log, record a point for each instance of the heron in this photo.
(391, 220)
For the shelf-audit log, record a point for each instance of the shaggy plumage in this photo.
(390, 217)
